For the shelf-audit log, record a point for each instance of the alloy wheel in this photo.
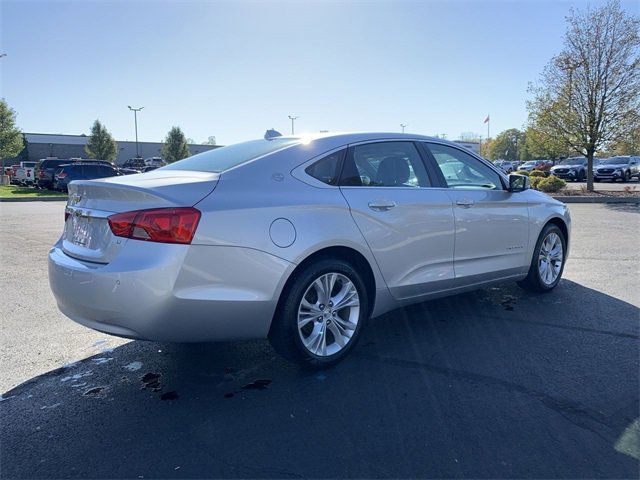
(550, 258)
(328, 314)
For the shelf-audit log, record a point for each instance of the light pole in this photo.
(135, 119)
(403, 126)
(293, 119)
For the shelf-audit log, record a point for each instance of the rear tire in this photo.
(547, 264)
(306, 327)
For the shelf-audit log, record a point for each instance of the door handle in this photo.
(382, 206)
(465, 202)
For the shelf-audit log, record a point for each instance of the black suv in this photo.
(136, 163)
(82, 171)
(46, 169)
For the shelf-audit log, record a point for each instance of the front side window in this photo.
(384, 164)
(461, 170)
(326, 169)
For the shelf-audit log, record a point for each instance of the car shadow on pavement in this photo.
(494, 383)
(624, 207)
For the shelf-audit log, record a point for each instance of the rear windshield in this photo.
(224, 158)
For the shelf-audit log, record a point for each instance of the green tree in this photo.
(175, 146)
(589, 94)
(11, 142)
(627, 145)
(101, 144)
(485, 148)
(507, 145)
(540, 145)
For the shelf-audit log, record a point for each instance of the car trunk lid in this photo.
(87, 235)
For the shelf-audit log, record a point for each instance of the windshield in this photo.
(572, 161)
(224, 158)
(615, 161)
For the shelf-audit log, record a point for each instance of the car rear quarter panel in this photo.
(249, 199)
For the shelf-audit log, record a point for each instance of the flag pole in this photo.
(488, 123)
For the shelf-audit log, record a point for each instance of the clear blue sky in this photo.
(235, 69)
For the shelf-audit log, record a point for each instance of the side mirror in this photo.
(518, 183)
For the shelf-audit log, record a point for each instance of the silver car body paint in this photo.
(260, 220)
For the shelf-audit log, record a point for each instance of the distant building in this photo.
(473, 146)
(43, 145)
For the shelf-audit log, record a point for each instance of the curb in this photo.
(34, 199)
(595, 199)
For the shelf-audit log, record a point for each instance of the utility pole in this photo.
(293, 119)
(135, 119)
(403, 126)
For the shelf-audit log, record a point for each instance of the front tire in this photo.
(321, 313)
(548, 261)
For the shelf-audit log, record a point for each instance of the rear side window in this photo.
(384, 164)
(105, 171)
(89, 170)
(224, 158)
(326, 169)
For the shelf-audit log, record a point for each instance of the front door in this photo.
(492, 224)
(408, 225)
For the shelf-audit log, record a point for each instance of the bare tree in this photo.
(589, 94)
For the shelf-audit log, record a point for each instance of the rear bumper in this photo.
(173, 293)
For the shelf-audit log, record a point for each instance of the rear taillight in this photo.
(41, 174)
(61, 175)
(165, 225)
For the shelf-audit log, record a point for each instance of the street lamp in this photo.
(135, 119)
(293, 119)
(403, 125)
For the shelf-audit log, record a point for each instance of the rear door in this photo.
(491, 223)
(407, 224)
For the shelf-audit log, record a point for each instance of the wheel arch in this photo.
(347, 254)
(560, 223)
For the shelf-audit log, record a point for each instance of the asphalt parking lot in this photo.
(492, 384)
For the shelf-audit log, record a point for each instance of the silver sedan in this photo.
(298, 239)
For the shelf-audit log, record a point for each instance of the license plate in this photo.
(81, 230)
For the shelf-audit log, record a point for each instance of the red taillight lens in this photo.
(61, 175)
(41, 174)
(166, 225)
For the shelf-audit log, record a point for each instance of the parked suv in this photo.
(47, 168)
(136, 163)
(573, 168)
(82, 171)
(505, 165)
(622, 168)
